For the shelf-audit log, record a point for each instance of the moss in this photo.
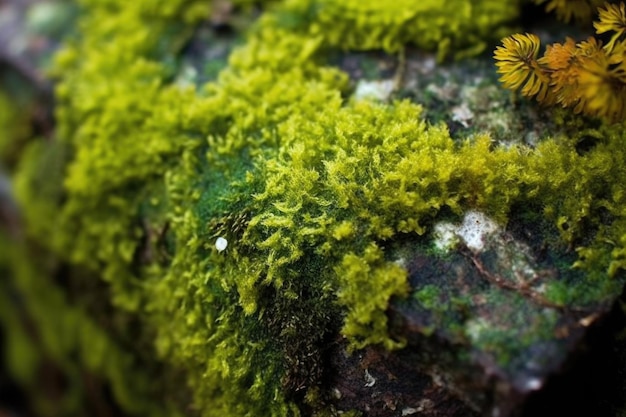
(368, 283)
(309, 187)
(66, 342)
(14, 130)
(461, 27)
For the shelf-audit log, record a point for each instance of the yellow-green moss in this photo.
(367, 284)
(460, 27)
(67, 339)
(307, 185)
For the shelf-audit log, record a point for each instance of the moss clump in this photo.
(307, 185)
(461, 27)
(367, 284)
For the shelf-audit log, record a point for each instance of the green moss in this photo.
(461, 27)
(367, 284)
(308, 186)
(67, 342)
(14, 129)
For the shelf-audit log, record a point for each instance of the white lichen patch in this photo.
(374, 90)
(477, 328)
(473, 232)
(445, 235)
(462, 114)
(476, 228)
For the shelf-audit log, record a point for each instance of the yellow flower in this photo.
(562, 65)
(516, 60)
(559, 56)
(603, 88)
(584, 76)
(611, 19)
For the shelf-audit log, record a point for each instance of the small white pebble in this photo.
(220, 244)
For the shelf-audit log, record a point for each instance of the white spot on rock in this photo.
(376, 90)
(474, 230)
(462, 114)
(445, 235)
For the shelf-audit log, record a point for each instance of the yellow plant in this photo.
(587, 77)
(518, 64)
(612, 19)
(567, 10)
